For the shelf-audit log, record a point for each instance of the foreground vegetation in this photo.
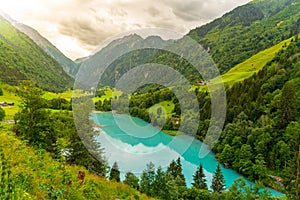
(32, 173)
(51, 161)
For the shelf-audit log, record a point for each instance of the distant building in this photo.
(202, 82)
(226, 165)
(7, 104)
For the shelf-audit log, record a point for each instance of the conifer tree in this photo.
(147, 178)
(131, 180)
(114, 173)
(2, 113)
(199, 179)
(218, 182)
(175, 169)
(287, 105)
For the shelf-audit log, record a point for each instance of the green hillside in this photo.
(68, 65)
(21, 59)
(252, 65)
(32, 174)
(247, 30)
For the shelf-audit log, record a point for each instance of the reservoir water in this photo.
(134, 146)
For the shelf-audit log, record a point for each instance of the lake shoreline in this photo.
(191, 154)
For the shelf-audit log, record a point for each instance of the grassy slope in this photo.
(35, 172)
(252, 65)
(9, 95)
(167, 108)
(65, 95)
(108, 94)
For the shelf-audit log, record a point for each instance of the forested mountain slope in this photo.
(261, 137)
(68, 65)
(247, 30)
(21, 59)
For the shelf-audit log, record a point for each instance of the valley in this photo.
(68, 134)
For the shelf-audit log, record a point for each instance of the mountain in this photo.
(68, 65)
(122, 55)
(248, 29)
(21, 59)
(230, 40)
(91, 67)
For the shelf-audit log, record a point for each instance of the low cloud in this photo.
(87, 23)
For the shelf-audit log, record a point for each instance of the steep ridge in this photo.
(248, 29)
(22, 59)
(68, 65)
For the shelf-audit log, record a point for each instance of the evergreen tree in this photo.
(218, 182)
(114, 173)
(159, 184)
(147, 178)
(85, 150)
(287, 107)
(199, 179)
(31, 120)
(2, 114)
(131, 180)
(175, 169)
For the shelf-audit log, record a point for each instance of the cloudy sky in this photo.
(77, 27)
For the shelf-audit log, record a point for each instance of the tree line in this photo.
(170, 184)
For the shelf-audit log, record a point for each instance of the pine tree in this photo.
(159, 184)
(218, 182)
(175, 169)
(287, 109)
(131, 180)
(31, 118)
(114, 173)
(147, 178)
(2, 113)
(199, 179)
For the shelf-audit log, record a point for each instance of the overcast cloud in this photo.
(77, 27)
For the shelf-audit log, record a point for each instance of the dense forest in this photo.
(259, 24)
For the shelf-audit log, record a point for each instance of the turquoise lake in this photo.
(133, 143)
